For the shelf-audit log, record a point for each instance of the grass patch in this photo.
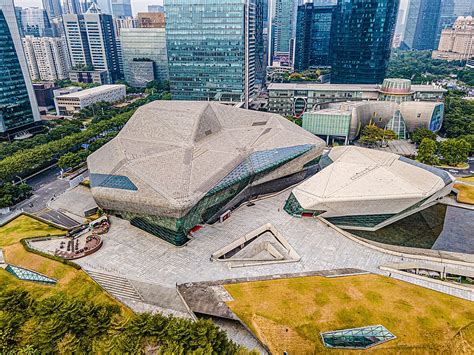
(468, 179)
(466, 193)
(72, 282)
(289, 314)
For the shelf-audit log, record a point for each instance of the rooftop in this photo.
(347, 87)
(358, 173)
(92, 91)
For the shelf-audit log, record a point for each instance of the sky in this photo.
(137, 5)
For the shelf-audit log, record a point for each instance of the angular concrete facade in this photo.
(178, 164)
(367, 189)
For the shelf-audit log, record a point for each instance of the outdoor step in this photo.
(116, 285)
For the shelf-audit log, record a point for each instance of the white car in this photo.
(453, 171)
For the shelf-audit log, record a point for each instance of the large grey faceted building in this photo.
(178, 164)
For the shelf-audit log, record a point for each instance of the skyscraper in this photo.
(144, 49)
(156, 8)
(47, 57)
(18, 107)
(105, 6)
(121, 8)
(450, 11)
(72, 7)
(92, 41)
(282, 28)
(35, 22)
(361, 37)
(211, 49)
(420, 30)
(313, 36)
(53, 8)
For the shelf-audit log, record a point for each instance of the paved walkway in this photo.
(139, 256)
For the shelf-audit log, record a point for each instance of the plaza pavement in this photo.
(138, 256)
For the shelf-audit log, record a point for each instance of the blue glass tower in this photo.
(361, 38)
(211, 49)
(420, 31)
(18, 108)
(313, 36)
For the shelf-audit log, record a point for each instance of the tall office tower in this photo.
(450, 11)
(151, 19)
(72, 7)
(361, 37)
(53, 8)
(156, 8)
(420, 30)
(313, 36)
(144, 55)
(260, 65)
(211, 49)
(120, 23)
(47, 58)
(105, 6)
(92, 41)
(35, 22)
(18, 107)
(121, 8)
(282, 28)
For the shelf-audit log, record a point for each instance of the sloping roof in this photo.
(173, 152)
(367, 174)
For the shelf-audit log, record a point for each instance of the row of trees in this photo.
(11, 194)
(66, 325)
(451, 152)
(459, 118)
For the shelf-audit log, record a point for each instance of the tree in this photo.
(69, 160)
(427, 152)
(420, 133)
(373, 135)
(454, 151)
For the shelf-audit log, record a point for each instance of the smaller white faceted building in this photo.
(367, 189)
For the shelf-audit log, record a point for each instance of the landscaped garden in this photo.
(289, 314)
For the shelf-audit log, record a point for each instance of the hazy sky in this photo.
(137, 5)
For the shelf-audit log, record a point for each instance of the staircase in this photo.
(117, 286)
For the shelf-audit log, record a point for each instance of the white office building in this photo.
(47, 58)
(67, 105)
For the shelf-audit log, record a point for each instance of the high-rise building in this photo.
(450, 10)
(105, 6)
(53, 8)
(313, 36)
(47, 58)
(211, 49)
(361, 37)
(72, 7)
(260, 24)
(420, 31)
(18, 107)
(457, 43)
(35, 22)
(121, 8)
(282, 28)
(151, 19)
(156, 8)
(92, 42)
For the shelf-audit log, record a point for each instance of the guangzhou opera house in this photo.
(179, 164)
(367, 189)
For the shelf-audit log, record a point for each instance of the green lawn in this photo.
(289, 314)
(70, 281)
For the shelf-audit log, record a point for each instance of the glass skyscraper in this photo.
(211, 49)
(35, 22)
(361, 38)
(449, 12)
(313, 36)
(121, 8)
(282, 27)
(18, 108)
(420, 30)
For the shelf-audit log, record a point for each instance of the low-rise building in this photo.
(151, 19)
(44, 95)
(344, 121)
(366, 189)
(71, 103)
(100, 77)
(297, 98)
(457, 43)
